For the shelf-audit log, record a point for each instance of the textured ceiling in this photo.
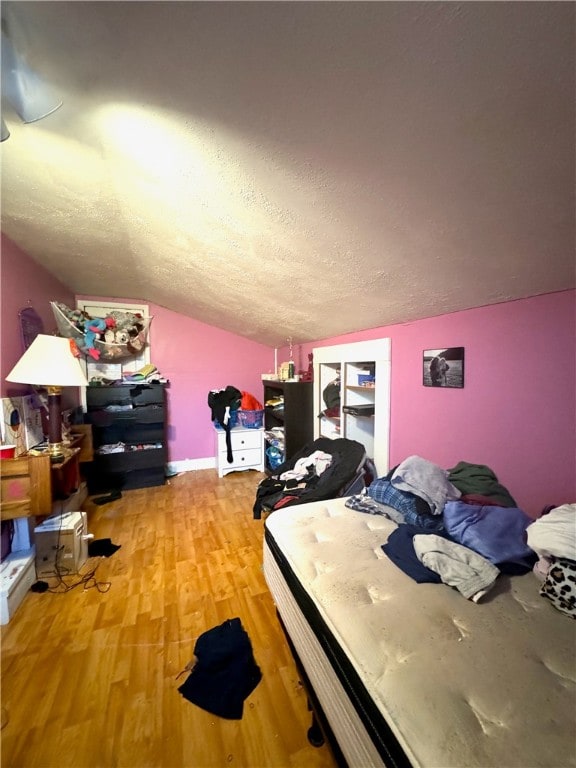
(298, 169)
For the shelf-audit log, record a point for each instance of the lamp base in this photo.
(56, 452)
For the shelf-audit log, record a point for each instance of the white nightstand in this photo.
(247, 450)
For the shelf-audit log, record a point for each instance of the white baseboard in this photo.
(190, 465)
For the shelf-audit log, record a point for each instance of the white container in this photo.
(61, 544)
(17, 575)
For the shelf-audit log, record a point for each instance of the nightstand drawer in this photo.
(127, 460)
(135, 394)
(146, 414)
(251, 457)
(244, 439)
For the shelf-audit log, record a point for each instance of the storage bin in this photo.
(366, 379)
(274, 457)
(232, 420)
(250, 419)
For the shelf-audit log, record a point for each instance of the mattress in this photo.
(415, 674)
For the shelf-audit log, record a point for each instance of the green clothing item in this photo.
(478, 479)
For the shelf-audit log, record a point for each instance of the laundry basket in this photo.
(251, 419)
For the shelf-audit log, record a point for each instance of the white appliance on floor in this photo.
(61, 544)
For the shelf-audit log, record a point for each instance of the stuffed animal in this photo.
(121, 337)
(136, 338)
(92, 330)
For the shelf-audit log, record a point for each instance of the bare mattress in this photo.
(412, 674)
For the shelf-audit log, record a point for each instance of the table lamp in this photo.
(50, 362)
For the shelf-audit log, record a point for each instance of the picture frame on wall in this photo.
(443, 367)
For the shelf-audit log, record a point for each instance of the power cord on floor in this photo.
(88, 580)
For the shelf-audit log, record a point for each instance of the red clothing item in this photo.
(250, 403)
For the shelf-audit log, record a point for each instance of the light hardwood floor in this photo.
(89, 677)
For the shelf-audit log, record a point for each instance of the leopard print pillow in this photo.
(560, 586)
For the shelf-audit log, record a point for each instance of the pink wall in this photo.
(196, 358)
(516, 413)
(517, 410)
(24, 284)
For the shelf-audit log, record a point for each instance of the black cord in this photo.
(87, 579)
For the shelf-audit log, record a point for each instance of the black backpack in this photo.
(222, 403)
(331, 394)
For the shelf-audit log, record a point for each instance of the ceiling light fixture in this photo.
(22, 87)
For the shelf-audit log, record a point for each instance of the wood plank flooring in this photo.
(89, 676)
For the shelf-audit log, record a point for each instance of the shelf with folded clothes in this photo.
(351, 395)
(129, 437)
(274, 414)
(288, 406)
(274, 448)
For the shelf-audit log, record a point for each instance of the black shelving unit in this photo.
(296, 417)
(134, 415)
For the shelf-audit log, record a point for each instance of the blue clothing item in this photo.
(407, 504)
(496, 533)
(400, 549)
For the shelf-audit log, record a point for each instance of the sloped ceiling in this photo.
(298, 169)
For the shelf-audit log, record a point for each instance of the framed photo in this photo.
(444, 367)
(13, 430)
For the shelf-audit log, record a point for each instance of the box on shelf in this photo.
(360, 410)
(61, 544)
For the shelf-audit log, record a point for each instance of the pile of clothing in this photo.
(323, 469)
(462, 527)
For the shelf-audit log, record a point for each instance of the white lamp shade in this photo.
(49, 362)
